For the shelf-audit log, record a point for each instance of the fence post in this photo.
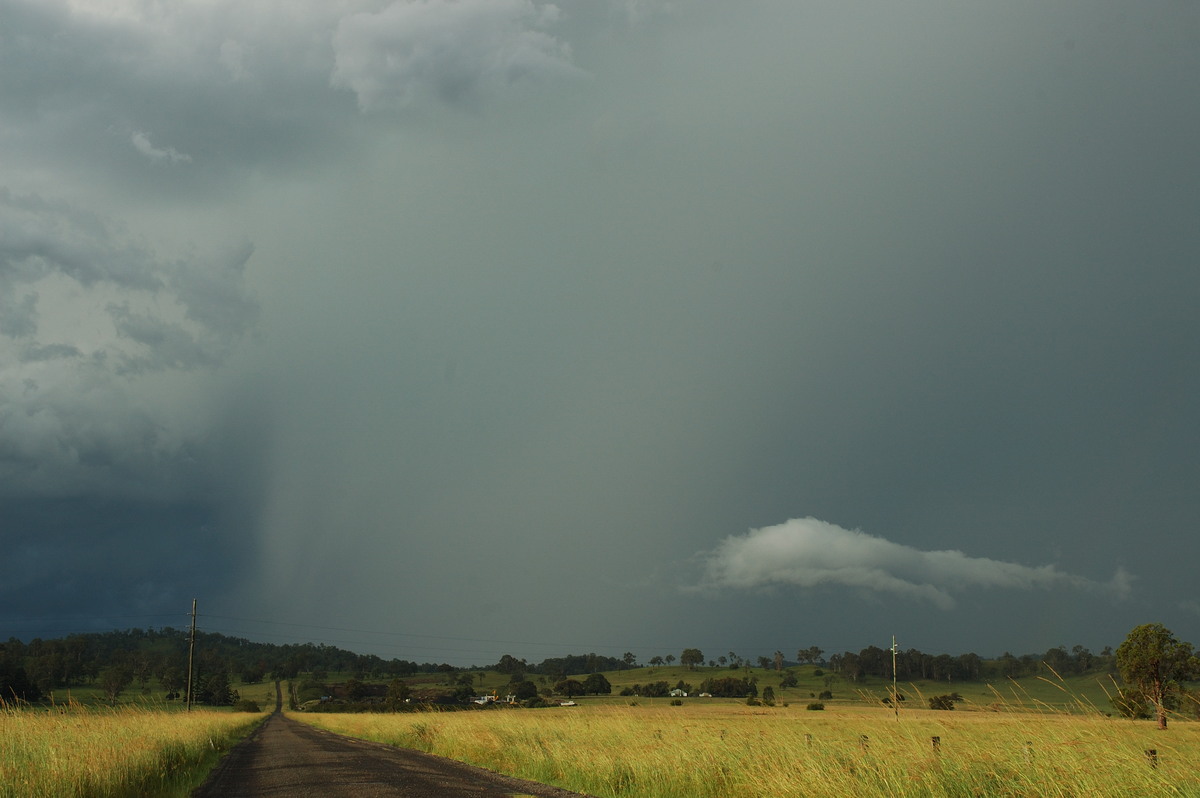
(1152, 757)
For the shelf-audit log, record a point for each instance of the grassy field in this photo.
(1085, 694)
(724, 749)
(153, 697)
(112, 753)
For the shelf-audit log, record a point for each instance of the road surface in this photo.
(285, 757)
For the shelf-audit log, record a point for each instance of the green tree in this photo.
(216, 690)
(1154, 664)
(172, 679)
(523, 691)
(597, 684)
(114, 680)
(569, 687)
(397, 694)
(691, 657)
(510, 664)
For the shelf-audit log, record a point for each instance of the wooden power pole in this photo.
(191, 651)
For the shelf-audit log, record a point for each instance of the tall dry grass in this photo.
(72, 751)
(731, 751)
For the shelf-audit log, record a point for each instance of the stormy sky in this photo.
(443, 329)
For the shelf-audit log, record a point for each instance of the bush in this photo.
(826, 695)
(246, 705)
(944, 702)
(816, 705)
(753, 702)
(676, 702)
(728, 687)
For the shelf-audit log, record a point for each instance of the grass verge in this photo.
(118, 753)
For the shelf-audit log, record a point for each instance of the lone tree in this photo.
(1153, 663)
(597, 684)
(691, 657)
(397, 694)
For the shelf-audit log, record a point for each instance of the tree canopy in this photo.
(1153, 664)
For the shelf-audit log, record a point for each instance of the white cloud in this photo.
(451, 51)
(808, 552)
(142, 143)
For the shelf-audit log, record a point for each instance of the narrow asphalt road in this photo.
(285, 757)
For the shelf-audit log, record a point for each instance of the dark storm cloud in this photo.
(173, 102)
(96, 558)
(925, 270)
(87, 307)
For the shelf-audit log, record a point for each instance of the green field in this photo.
(1087, 694)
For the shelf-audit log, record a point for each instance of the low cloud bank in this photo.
(808, 552)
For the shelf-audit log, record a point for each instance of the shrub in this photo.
(246, 705)
(945, 702)
(826, 695)
(816, 705)
(676, 702)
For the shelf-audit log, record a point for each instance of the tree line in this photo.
(134, 658)
(913, 665)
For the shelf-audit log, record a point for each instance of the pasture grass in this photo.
(729, 750)
(70, 750)
(1041, 693)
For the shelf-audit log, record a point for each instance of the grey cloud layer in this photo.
(84, 311)
(453, 52)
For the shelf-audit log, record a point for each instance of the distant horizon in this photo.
(641, 659)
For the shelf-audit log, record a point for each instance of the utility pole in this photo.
(895, 701)
(191, 651)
